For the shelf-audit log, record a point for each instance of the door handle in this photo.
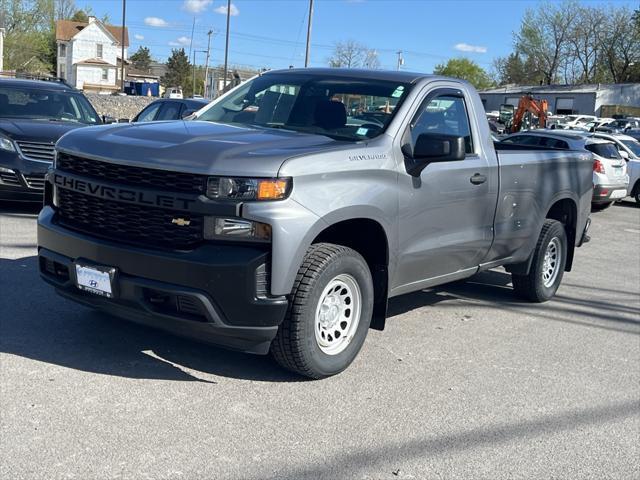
(478, 179)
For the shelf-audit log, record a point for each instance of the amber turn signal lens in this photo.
(272, 189)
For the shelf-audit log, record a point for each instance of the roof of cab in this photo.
(384, 75)
(41, 84)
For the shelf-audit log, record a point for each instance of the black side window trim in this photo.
(441, 92)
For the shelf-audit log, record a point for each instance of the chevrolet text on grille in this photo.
(122, 194)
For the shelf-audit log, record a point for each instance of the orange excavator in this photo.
(529, 109)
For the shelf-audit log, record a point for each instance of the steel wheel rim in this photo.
(338, 314)
(551, 262)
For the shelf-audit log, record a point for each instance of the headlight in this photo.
(6, 144)
(224, 188)
(216, 228)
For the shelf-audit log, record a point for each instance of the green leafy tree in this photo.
(178, 72)
(465, 69)
(141, 59)
(30, 40)
(80, 16)
(512, 69)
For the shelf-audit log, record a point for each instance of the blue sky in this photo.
(272, 33)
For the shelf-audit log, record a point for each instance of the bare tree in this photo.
(544, 36)
(585, 44)
(351, 54)
(64, 9)
(621, 44)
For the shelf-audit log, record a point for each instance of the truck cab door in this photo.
(446, 213)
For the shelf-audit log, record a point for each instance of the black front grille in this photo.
(134, 176)
(147, 226)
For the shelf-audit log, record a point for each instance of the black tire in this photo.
(532, 286)
(596, 207)
(636, 192)
(295, 346)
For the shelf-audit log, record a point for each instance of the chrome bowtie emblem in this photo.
(181, 222)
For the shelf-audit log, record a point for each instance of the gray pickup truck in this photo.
(283, 216)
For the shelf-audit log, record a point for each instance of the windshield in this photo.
(633, 146)
(605, 150)
(40, 104)
(343, 108)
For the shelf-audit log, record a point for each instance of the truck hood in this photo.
(44, 131)
(195, 147)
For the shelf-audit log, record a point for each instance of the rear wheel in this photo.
(329, 313)
(547, 267)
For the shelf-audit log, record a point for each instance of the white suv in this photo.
(610, 178)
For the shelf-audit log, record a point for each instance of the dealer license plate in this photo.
(95, 279)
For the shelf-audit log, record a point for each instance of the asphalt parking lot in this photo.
(466, 382)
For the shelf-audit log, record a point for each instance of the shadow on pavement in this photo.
(487, 436)
(38, 324)
(20, 209)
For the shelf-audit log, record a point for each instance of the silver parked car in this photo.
(629, 149)
(610, 178)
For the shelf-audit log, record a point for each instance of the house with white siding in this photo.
(89, 54)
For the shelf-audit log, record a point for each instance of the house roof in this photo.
(94, 61)
(66, 30)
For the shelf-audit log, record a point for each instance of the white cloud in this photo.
(155, 22)
(465, 47)
(196, 6)
(222, 10)
(181, 42)
(137, 36)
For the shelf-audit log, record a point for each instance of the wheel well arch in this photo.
(367, 237)
(565, 211)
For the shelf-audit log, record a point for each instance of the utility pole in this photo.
(206, 66)
(400, 59)
(193, 86)
(193, 27)
(124, 14)
(306, 56)
(226, 47)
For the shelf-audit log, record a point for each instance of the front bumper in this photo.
(212, 293)
(609, 193)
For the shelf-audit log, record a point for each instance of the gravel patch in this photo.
(118, 106)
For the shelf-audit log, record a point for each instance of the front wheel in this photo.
(329, 313)
(547, 267)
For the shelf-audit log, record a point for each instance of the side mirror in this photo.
(107, 119)
(624, 154)
(433, 147)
